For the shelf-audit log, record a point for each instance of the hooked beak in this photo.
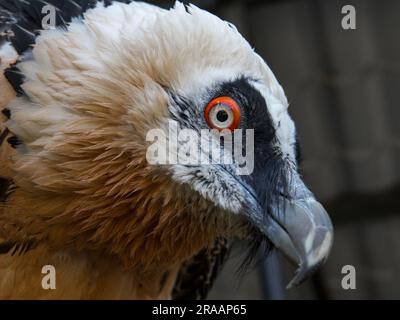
(297, 225)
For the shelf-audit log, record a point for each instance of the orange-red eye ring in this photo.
(227, 101)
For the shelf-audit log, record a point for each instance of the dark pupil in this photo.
(222, 116)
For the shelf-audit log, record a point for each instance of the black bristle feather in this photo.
(259, 248)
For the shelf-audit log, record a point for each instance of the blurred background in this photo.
(344, 92)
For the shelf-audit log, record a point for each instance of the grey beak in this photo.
(298, 226)
(304, 233)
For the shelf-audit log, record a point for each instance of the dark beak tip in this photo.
(302, 274)
(306, 271)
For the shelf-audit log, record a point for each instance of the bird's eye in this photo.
(222, 113)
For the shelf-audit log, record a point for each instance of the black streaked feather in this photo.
(197, 276)
(22, 37)
(17, 248)
(14, 141)
(6, 247)
(15, 77)
(6, 112)
(6, 187)
(3, 135)
(21, 22)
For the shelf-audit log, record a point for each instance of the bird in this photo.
(78, 191)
